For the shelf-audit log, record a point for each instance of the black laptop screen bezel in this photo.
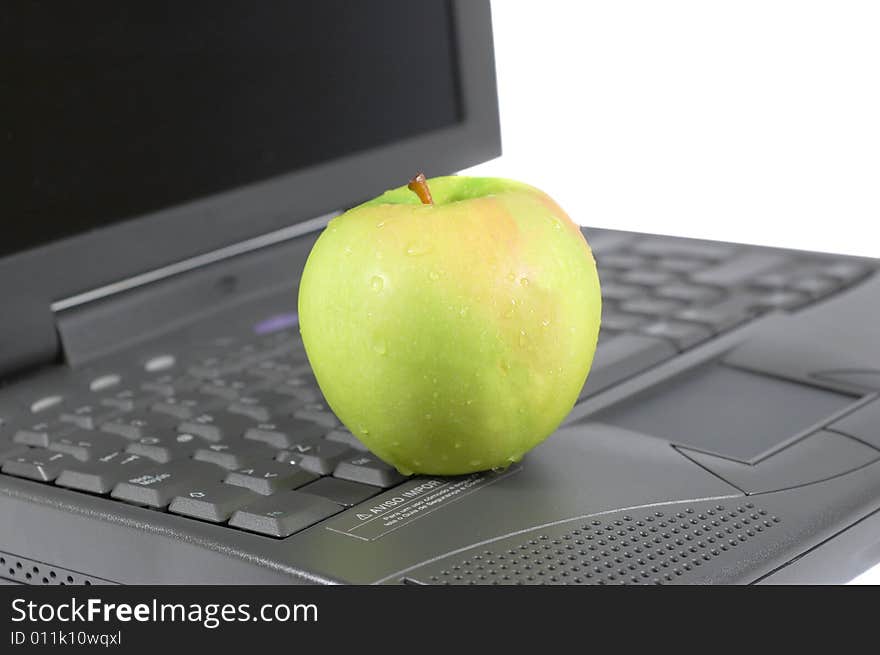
(31, 281)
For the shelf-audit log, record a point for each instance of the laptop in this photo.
(167, 169)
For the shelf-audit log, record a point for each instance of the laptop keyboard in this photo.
(234, 430)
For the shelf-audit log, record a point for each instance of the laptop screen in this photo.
(116, 110)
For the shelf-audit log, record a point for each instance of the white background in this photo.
(749, 121)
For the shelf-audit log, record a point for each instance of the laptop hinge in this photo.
(120, 320)
(28, 337)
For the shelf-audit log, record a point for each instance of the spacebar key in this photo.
(623, 357)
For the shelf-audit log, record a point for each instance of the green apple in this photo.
(451, 323)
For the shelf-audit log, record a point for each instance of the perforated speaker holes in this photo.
(31, 572)
(656, 548)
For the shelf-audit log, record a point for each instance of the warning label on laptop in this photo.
(410, 501)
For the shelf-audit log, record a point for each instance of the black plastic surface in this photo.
(732, 413)
(863, 424)
(585, 471)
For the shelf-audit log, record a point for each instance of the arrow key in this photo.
(270, 477)
(214, 503)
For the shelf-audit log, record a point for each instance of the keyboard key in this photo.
(270, 477)
(671, 247)
(604, 242)
(10, 450)
(303, 393)
(623, 357)
(287, 433)
(651, 307)
(621, 292)
(647, 278)
(847, 272)
(212, 502)
(773, 281)
(87, 417)
(228, 389)
(217, 426)
(39, 434)
(125, 400)
(740, 269)
(317, 413)
(141, 424)
(341, 435)
(37, 464)
(158, 486)
(681, 265)
(620, 322)
(689, 293)
(235, 455)
(719, 319)
(621, 261)
(368, 469)
(815, 287)
(213, 367)
(104, 473)
(343, 492)
(283, 514)
(86, 445)
(183, 407)
(781, 300)
(278, 369)
(682, 335)
(321, 457)
(251, 407)
(170, 385)
(166, 448)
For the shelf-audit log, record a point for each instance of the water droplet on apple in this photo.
(417, 462)
(395, 443)
(436, 394)
(546, 322)
(469, 402)
(434, 275)
(380, 224)
(377, 283)
(523, 339)
(524, 281)
(427, 417)
(403, 470)
(347, 250)
(511, 277)
(498, 469)
(415, 249)
(514, 458)
(475, 462)
(456, 445)
(463, 312)
(505, 366)
(379, 346)
(444, 457)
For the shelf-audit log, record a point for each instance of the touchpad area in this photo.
(726, 411)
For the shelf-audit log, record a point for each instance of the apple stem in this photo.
(419, 186)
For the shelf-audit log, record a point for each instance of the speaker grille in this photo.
(32, 572)
(659, 547)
